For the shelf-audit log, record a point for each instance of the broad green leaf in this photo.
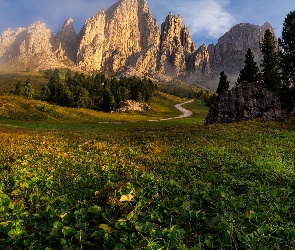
(16, 232)
(153, 246)
(68, 231)
(57, 225)
(83, 211)
(145, 227)
(96, 234)
(106, 228)
(186, 206)
(95, 209)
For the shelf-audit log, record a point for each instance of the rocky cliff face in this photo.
(127, 39)
(10, 43)
(124, 37)
(245, 102)
(32, 48)
(91, 42)
(66, 42)
(37, 50)
(229, 53)
(176, 48)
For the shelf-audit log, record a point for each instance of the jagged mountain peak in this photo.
(38, 26)
(68, 24)
(119, 38)
(127, 39)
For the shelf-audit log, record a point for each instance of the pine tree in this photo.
(250, 73)
(29, 91)
(45, 93)
(83, 96)
(223, 83)
(271, 72)
(287, 43)
(108, 100)
(17, 90)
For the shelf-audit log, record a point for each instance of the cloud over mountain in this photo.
(203, 17)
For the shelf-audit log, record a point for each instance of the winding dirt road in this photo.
(185, 113)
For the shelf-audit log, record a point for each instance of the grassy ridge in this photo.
(16, 109)
(148, 185)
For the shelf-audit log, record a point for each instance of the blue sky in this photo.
(207, 19)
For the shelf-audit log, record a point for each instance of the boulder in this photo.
(246, 101)
(130, 105)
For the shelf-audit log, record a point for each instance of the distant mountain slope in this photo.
(126, 39)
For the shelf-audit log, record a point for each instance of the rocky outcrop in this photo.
(245, 102)
(130, 105)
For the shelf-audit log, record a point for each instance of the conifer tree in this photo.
(223, 83)
(271, 72)
(287, 43)
(108, 100)
(45, 93)
(29, 90)
(250, 73)
(17, 90)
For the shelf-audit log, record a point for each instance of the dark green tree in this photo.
(123, 93)
(64, 95)
(250, 73)
(223, 84)
(54, 77)
(45, 93)
(83, 96)
(287, 43)
(271, 71)
(108, 100)
(17, 89)
(68, 74)
(29, 90)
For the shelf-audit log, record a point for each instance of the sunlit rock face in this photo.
(124, 37)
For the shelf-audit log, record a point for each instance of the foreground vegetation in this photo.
(146, 185)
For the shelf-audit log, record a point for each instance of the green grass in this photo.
(19, 112)
(173, 184)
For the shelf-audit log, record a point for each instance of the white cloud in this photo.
(206, 18)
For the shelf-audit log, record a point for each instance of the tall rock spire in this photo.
(66, 41)
(119, 38)
(176, 49)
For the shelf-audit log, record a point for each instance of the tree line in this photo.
(94, 91)
(277, 67)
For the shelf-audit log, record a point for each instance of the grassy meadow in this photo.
(80, 179)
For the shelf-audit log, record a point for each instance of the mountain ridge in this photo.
(126, 39)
